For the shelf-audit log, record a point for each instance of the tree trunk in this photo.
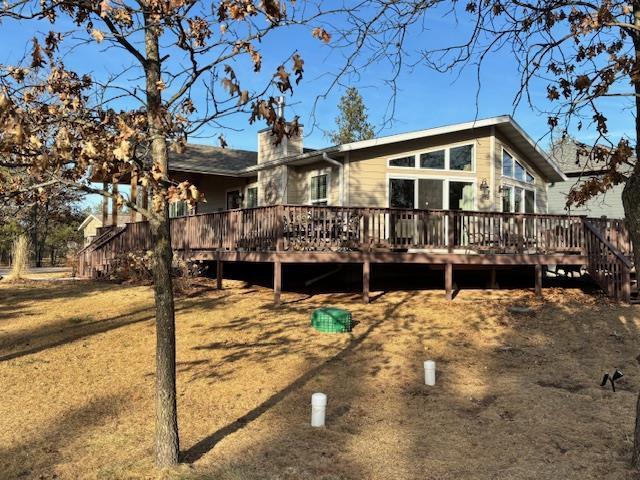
(631, 204)
(166, 435)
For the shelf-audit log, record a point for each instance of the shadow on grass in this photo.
(36, 457)
(199, 449)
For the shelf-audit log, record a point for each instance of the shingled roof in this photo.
(208, 159)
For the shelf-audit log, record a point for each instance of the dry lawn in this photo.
(517, 395)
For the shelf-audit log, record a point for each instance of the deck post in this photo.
(114, 204)
(538, 273)
(105, 204)
(626, 284)
(366, 274)
(134, 195)
(219, 273)
(493, 284)
(277, 282)
(448, 281)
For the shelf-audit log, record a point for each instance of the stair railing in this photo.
(608, 266)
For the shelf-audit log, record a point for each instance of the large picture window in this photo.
(431, 194)
(461, 158)
(318, 189)
(514, 169)
(435, 160)
(401, 193)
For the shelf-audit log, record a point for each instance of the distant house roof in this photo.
(97, 218)
(571, 157)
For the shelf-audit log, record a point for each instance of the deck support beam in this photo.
(114, 204)
(277, 282)
(448, 281)
(538, 272)
(366, 274)
(134, 195)
(493, 284)
(219, 273)
(105, 204)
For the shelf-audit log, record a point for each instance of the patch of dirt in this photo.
(77, 363)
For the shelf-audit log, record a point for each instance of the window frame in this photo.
(251, 186)
(445, 188)
(516, 160)
(314, 174)
(447, 158)
(512, 197)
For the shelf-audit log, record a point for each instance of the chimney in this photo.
(268, 151)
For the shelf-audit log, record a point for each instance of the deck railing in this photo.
(309, 228)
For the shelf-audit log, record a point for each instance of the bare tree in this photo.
(188, 64)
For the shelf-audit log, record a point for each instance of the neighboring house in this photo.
(486, 165)
(578, 168)
(90, 226)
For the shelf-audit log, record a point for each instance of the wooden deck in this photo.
(303, 234)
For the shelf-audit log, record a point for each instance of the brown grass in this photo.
(517, 395)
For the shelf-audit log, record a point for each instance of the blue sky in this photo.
(424, 99)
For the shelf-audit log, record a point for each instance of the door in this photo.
(529, 207)
(401, 195)
(234, 200)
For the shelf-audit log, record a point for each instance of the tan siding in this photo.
(368, 170)
(299, 178)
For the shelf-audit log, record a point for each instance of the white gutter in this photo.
(340, 165)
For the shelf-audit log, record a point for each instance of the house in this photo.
(485, 165)
(90, 225)
(577, 168)
(466, 196)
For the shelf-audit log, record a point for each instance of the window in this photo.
(433, 160)
(507, 205)
(234, 199)
(178, 209)
(319, 189)
(507, 164)
(517, 200)
(403, 162)
(461, 196)
(461, 158)
(430, 194)
(401, 193)
(514, 169)
(252, 197)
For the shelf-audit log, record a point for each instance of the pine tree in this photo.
(353, 122)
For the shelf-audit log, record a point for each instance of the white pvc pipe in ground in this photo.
(430, 373)
(318, 409)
